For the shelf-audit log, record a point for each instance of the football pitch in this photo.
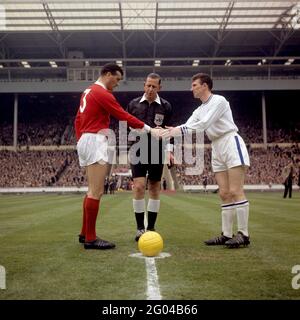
(43, 259)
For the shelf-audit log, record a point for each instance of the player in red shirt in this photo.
(96, 105)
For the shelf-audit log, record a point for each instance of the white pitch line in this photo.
(153, 291)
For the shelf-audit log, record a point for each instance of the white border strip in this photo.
(256, 187)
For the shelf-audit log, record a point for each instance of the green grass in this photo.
(43, 259)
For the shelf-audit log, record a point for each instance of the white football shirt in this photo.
(214, 117)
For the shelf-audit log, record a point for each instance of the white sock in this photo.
(228, 212)
(153, 209)
(242, 212)
(138, 205)
(153, 205)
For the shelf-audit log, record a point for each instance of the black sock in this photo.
(151, 220)
(139, 217)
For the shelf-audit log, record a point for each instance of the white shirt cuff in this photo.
(169, 147)
(184, 129)
(147, 128)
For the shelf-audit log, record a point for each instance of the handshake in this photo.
(169, 132)
(159, 132)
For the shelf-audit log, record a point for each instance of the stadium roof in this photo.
(73, 15)
(252, 38)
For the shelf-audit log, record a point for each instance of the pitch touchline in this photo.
(153, 291)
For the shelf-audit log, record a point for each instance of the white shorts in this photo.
(229, 151)
(92, 148)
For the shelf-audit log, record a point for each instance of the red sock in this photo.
(91, 211)
(83, 229)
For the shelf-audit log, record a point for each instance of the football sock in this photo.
(139, 210)
(91, 209)
(151, 220)
(242, 212)
(228, 212)
(83, 229)
(153, 209)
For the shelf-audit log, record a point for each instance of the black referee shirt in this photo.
(153, 114)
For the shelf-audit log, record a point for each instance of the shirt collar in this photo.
(157, 100)
(99, 83)
(209, 98)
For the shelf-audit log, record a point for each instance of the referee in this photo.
(156, 112)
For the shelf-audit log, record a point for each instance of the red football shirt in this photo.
(96, 106)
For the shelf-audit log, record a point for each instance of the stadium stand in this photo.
(46, 153)
(259, 51)
(60, 168)
(48, 119)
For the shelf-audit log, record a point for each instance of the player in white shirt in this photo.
(229, 158)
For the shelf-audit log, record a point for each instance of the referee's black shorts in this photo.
(154, 171)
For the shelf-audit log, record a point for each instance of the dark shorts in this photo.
(154, 171)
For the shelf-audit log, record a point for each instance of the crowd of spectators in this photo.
(61, 168)
(266, 167)
(33, 168)
(46, 134)
(48, 121)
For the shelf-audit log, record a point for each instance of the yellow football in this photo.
(150, 244)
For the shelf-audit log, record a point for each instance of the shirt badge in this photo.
(158, 119)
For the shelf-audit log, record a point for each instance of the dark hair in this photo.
(204, 78)
(112, 68)
(154, 76)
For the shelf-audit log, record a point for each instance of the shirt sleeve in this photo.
(110, 104)
(128, 108)
(201, 124)
(169, 122)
